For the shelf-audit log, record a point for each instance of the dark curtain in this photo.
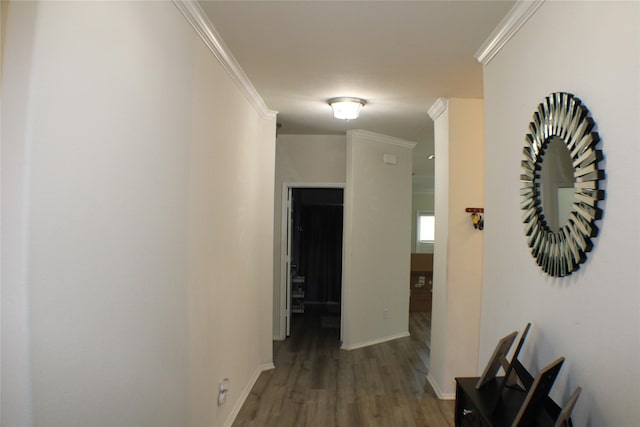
(321, 252)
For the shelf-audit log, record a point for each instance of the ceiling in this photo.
(401, 56)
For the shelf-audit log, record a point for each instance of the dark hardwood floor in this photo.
(317, 384)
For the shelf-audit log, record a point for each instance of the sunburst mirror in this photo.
(561, 184)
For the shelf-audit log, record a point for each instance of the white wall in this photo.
(301, 159)
(377, 240)
(15, 372)
(439, 310)
(134, 176)
(457, 266)
(2, 25)
(592, 317)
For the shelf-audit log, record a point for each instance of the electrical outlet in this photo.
(222, 391)
(385, 313)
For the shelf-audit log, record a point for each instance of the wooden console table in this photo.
(490, 407)
(421, 285)
(521, 401)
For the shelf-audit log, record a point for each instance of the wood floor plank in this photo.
(317, 384)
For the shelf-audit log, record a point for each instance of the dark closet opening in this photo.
(316, 255)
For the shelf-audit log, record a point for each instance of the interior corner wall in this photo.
(377, 240)
(437, 359)
(457, 266)
(134, 179)
(592, 317)
(301, 159)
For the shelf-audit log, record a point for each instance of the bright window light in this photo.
(426, 228)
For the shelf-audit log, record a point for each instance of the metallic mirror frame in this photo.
(564, 116)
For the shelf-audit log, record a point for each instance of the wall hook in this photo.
(476, 217)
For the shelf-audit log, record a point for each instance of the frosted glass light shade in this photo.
(346, 108)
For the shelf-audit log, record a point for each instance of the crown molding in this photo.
(510, 24)
(438, 108)
(192, 11)
(376, 137)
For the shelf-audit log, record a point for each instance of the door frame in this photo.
(285, 284)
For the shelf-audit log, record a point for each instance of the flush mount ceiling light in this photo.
(346, 108)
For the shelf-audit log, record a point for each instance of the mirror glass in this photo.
(556, 184)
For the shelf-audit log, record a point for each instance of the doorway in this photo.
(314, 257)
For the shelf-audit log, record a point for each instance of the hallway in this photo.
(317, 384)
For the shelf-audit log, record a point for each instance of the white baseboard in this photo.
(375, 341)
(439, 393)
(245, 393)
